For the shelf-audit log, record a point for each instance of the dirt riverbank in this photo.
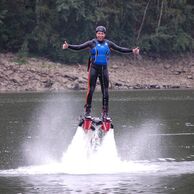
(37, 74)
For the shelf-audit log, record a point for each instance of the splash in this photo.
(79, 159)
(82, 159)
(50, 124)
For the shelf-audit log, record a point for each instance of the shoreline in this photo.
(126, 73)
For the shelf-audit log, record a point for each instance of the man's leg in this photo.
(92, 77)
(104, 81)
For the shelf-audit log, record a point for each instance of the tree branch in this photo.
(160, 17)
(143, 19)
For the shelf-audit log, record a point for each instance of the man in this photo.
(100, 49)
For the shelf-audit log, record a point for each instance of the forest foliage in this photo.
(39, 27)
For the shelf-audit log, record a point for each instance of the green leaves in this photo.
(184, 42)
(40, 26)
(169, 30)
(2, 15)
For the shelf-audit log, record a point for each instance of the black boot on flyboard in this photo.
(96, 128)
(93, 123)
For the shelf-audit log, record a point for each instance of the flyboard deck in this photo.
(97, 128)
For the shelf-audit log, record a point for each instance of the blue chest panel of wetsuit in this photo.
(100, 53)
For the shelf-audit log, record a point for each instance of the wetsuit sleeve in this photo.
(85, 45)
(115, 47)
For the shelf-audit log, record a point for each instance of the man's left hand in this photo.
(136, 51)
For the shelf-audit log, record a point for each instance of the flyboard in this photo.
(96, 128)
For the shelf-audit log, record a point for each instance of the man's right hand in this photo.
(65, 45)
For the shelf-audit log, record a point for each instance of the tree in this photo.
(40, 26)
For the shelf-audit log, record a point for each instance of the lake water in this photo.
(150, 150)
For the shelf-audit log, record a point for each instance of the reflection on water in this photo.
(153, 138)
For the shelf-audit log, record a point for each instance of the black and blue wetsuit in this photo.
(98, 67)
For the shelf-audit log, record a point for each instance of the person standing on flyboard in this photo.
(100, 49)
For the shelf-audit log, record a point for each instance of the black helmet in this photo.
(101, 29)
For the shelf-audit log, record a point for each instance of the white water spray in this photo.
(78, 158)
(49, 131)
(81, 158)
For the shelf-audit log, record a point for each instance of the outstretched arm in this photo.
(77, 47)
(123, 49)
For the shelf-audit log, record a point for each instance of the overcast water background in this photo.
(150, 150)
